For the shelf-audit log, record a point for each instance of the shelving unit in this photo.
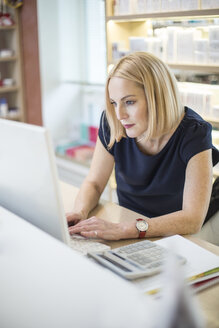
(136, 25)
(11, 68)
(120, 27)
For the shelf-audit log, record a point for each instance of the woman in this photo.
(162, 152)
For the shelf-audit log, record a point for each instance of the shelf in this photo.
(16, 117)
(193, 67)
(7, 59)
(5, 28)
(205, 13)
(72, 160)
(8, 89)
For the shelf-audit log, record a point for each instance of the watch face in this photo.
(142, 225)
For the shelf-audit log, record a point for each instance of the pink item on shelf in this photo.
(81, 153)
(93, 133)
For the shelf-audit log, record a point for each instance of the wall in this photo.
(72, 53)
(60, 29)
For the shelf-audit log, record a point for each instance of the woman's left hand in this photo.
(98, 228)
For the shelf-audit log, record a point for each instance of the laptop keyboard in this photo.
(84, 245)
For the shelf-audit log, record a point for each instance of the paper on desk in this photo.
(199, 260)
(177, 307)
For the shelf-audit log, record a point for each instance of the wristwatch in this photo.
(142, 227)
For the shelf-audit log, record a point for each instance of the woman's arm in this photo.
(93, 185)
(196, 196)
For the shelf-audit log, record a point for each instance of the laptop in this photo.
(29, 185)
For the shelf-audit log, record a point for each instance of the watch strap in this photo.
(141, 234)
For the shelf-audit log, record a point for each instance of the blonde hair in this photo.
(161, 92)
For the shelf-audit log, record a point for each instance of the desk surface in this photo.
(208, 298)
(43, 283)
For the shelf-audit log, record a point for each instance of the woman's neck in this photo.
(154, 145)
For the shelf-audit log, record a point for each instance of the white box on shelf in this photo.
(189, 4)
(171, 43)
(185, 45)
(170, 5)
(214, 46)
(201, 45)
(154, 46)
(214, 58)
(213, 33)
(161, 33)
(141, 7)
(124, 7)
(199, 97)
(137, 43)
(200, 57)
(153, 6)
(209, 4)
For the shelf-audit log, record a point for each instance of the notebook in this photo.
(29, 185)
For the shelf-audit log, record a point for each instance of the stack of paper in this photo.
(200, 270)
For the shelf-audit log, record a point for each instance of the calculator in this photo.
(144, 258)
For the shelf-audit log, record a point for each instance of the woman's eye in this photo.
(130, 102)
(113, 103)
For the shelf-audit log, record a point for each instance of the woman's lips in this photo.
(128, 126)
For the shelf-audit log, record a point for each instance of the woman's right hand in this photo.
(73, 218)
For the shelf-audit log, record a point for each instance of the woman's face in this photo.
(130, 105)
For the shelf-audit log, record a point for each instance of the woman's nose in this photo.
(121, 112)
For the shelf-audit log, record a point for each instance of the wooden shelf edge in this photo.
(195, 67)
(8, 89)
(174, 14)
(11, 27)
(5, 59)
(205, 67)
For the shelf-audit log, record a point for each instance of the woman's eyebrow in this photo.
(127, 96)
(123, 98)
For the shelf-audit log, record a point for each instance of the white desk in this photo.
(208, 298)
(45, 284)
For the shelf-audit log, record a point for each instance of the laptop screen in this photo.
(28, 177)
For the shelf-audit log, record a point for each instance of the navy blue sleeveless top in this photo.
(152, 185)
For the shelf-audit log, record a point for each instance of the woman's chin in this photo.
(130, 135)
